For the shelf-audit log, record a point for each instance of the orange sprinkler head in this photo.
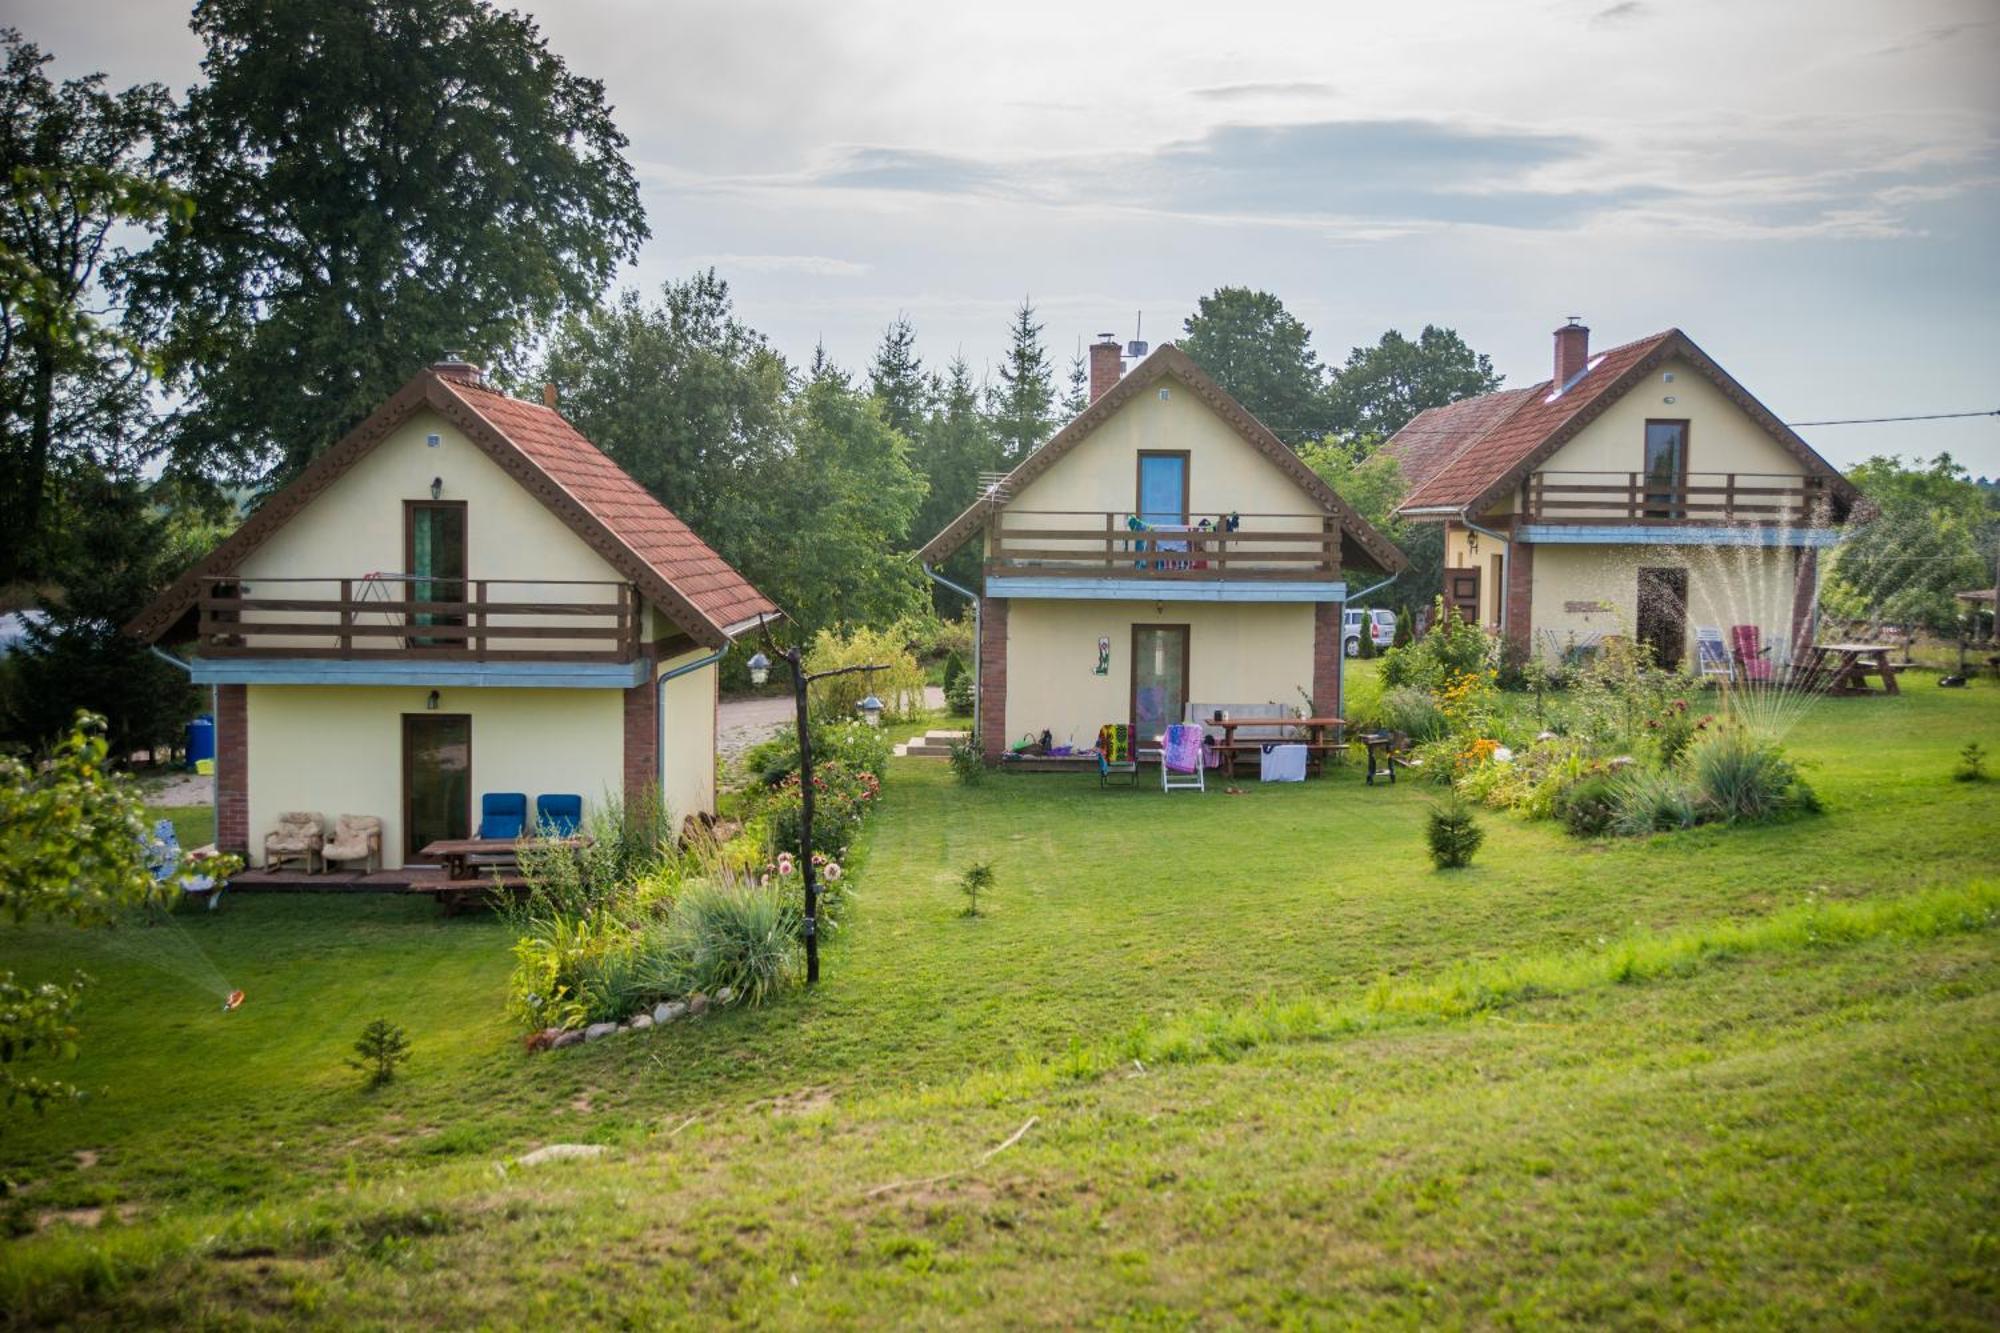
(235, 999)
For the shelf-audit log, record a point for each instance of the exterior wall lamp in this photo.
(431, 704)
(437, 488)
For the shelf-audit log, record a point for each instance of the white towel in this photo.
(1284, 763)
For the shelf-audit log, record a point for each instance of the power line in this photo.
(1876, 421)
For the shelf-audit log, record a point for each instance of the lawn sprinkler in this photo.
(235, 999)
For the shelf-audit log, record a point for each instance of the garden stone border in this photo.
(660, 1015)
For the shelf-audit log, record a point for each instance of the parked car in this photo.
(1381, 625)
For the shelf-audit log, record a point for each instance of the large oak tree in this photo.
(375, 183)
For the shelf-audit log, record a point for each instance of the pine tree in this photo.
(1023, 402)
(897, 378)
(1076, 396)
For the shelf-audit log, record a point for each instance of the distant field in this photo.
(1277, 1069)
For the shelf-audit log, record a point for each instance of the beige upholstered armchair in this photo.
(355, 838)
(299, 836)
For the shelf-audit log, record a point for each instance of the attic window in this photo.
(1581, 375)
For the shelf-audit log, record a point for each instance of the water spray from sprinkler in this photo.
(235, 1000)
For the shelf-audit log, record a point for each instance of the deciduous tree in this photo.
(74, 168)
(1259, 351)
(375, 182)
(1380, 388)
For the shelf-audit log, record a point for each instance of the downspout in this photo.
(215, 717)
(660, 713)
(1367, 627)
(977, 640)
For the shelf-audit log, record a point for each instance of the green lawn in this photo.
(1279, 1069)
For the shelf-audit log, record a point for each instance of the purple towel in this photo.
(1183, 748)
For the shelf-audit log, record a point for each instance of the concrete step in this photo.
(931, 745)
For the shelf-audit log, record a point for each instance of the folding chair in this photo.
(1114, 754)
(1753, 658)
(1180, 758)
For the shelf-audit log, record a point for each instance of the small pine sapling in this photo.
(1453, 833)
(1971, 763)
(382, 1047)
(976, 879)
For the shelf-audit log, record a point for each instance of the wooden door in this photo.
(1461, 593)
(437, 779)
(1662, 624)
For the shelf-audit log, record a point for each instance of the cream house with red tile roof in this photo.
(1638, 492)
(463, 596)
(1162, 551)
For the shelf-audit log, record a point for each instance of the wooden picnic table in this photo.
(461, 883)
(1315, 741)
(1844, 668)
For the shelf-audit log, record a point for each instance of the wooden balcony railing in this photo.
(1694, 497)
(1100, 544)
(401, 616)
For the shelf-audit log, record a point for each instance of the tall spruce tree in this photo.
(375, 182)
(956, 445)
(1076, 386)
(1023, 402)
(896, 378)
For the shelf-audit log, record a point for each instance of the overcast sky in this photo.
(1809, 188)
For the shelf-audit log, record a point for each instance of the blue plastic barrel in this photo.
(200, 739)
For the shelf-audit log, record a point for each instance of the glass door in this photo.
(434, 542)
(1159, 679)
(1666, 468)
(437, 780)
(1163, 489)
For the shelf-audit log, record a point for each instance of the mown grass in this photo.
(1283, 1070)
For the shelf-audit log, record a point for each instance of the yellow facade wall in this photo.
(1465, 549)
(1225, 473)
(1721, 437)
(688, 739)
(1589, 591)
(339, 749)
(1238, 653)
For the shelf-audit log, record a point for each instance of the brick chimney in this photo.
(1105, 365)
(1572, 350)
(455, 367)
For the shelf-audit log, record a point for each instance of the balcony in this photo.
(1095, 544)
(1778, 499)
(397, 616)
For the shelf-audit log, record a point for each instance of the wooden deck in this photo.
(335, 881)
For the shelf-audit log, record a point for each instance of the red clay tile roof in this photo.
(637, 535)
(1430, 438)
(644, 526)
(1503, 442)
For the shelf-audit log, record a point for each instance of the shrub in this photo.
(968, 765)
(954, 669)
(841, 796)
(555, 960)
(1588, 805)
(1743, 778)
(976, 879)
(959, 695)
(743, 936)
(1653, 801)
(381, 1048)
(1674, 728)
(1971, 763)
(1453, 648)
(1453, 834)
(853, 743)
(900, 686)
(1412, 712)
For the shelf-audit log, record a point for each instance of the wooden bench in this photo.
(455, 895)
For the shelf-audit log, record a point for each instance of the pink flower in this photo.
(833, 872)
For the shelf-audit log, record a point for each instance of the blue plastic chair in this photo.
(558, 816)
(502, 814)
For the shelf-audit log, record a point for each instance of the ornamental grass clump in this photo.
(1742, 779)
(1453, 834)
(1653, 801)
(741, 936)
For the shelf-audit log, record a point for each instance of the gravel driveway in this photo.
(744, 722)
